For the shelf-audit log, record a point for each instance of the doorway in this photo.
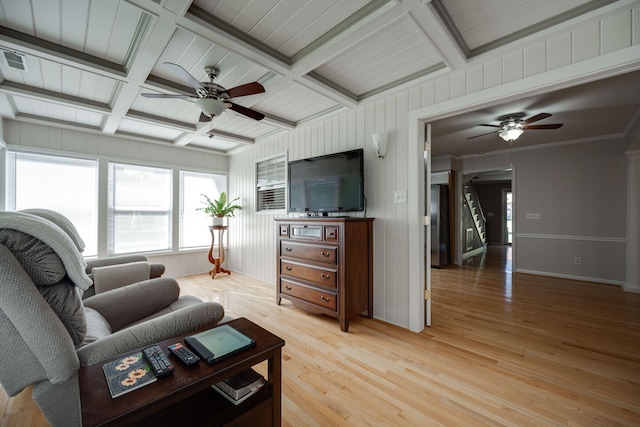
(507, 217)
(495, 192)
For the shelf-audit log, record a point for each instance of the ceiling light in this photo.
(211, 106)
(511, 135)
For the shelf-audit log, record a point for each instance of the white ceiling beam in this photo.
(340, 38)
(152, 39)
(437, 33)
(30, 45)
(187, 139)
(31, 92)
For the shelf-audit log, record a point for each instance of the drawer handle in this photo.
(288, 288)
(325, 254)
(325, 276)
(288, 249)
(325, 299)
(288, 268)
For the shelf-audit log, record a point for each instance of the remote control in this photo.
(160, 364)
(184, 354)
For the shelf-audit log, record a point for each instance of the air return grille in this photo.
(15, 60)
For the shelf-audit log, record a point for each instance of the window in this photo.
(62, 184)
(194, 225)
(271, 183)
(139, 216)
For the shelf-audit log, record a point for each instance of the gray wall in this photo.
(579, 190)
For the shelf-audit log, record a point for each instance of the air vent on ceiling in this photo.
(15, 60)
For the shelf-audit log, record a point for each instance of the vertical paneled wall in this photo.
(253, 235)
(563, 57)
(560, 57)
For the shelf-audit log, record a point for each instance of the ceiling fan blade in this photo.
(551, 126)
(491, 126)
(244, 90)
(536, 118)
(164, 95)
(246, 111)
(471, 137)
(204, 118)
(184, 75)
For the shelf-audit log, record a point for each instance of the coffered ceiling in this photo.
(83, 64)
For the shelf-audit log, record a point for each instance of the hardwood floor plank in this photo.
(504, 350)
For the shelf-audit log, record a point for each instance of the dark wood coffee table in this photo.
(186, 395)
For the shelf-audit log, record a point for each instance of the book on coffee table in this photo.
(241, 386)
(128, 373)
(219, 342)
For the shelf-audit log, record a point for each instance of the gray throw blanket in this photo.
(49, 233)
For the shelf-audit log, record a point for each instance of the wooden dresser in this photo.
(325, 265)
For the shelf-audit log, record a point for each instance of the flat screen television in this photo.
(324, 184)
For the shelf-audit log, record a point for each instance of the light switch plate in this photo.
(400, 196)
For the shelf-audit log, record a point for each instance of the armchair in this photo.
(53, 331)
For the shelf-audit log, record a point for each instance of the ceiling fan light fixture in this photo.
(510, 135)
(211, 107)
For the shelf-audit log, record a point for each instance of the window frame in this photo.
(7, 195)
(102, 190)
(110, 209)
(180, 177)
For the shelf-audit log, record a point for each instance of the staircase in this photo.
(475, 210)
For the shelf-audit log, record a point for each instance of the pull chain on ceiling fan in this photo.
(211, 98)
(512, 126)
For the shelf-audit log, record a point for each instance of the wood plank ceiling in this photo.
(87, 62)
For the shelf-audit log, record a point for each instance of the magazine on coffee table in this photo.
(128, 373)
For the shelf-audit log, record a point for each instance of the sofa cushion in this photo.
(111, 277)
(97, 326)
(38, 259)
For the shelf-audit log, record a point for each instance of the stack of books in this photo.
(240, 387)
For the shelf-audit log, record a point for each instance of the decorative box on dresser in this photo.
(325, 265)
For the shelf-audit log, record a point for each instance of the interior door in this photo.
(427, 226)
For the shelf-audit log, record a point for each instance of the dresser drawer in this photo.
(314, 296)
(312, 274)
(325, 254)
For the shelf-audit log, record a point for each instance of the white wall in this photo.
(561, 57)
(47, 139)
(253, 235)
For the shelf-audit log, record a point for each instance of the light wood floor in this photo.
(503, 350)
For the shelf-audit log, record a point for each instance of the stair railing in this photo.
(479, 219)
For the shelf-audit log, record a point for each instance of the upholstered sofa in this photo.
(48, 331)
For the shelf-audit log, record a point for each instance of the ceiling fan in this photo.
(212, 98)
(512, 126)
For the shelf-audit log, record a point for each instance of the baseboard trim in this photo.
(572, 277)
(631, 287)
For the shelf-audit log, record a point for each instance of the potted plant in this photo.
(219, 208)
